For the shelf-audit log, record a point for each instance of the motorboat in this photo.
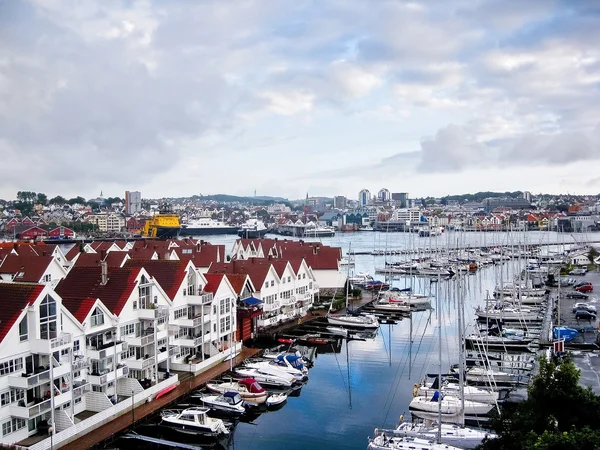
(248, 388)
(276, 399)
(337, 331)
(408, 298)
(381, 441)
(360, 279)
(450, 406)
(392, 307)
(483, 375)
(463, 437)
(194, 420)
(268, 377)
(228, 402)
(271, 367)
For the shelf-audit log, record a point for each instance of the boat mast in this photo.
(439, 319)
(461, 352)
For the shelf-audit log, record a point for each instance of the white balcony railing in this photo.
(29, 412)
(81, 390)
(199, 300)
(109, 376)
(141, 341)
(141, 364)
(107, 352)
(60, 341)
(31, 381)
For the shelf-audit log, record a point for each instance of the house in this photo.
(29, 232)
(61, 233)
(580, 259)
(31, 268)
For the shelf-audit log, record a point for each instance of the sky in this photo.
(183, 97)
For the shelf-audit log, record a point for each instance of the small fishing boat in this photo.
(228, 402)
(314, 339)
(248, 388)
(194, 420)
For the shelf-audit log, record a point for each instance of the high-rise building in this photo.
(339, 202)
(527, 196)
(401, 198)
(364, 197)
(384, 195)
(133, 202)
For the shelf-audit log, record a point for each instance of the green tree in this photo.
(77, 200)
(58, 200)
(41, 198)
(593, 254)
(558, 413)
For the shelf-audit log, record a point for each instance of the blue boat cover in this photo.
(565, 333)
(252, 301)
(230, 394)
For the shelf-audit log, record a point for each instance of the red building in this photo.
(61, 233)
(32, 233)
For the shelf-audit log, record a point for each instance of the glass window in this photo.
(48, 318)
(23, 335)
(97, 318)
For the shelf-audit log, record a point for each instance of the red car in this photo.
(585, 288)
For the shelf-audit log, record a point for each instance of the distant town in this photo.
(35, 216)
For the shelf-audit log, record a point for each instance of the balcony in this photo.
(199, 300)
(64, 339)
(80, 362)
(189, 341)
(62, 398)
(47, 346)
(147, 313)
(106, 351)
(29, 382)
(29, 412)
(141, 341)
(268, 322)
(271, 306)
(141, 364)
(109, 376)
(192, 322)
(80, 390)
(288, 301)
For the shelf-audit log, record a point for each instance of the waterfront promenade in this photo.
(125, 421)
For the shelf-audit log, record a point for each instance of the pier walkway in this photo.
(186, 385)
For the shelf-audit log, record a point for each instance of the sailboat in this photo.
(352, 320)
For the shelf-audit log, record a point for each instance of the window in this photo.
(48, 318)
(97, 318)
(222, 307)
(179, 313)
(12, 425)
(47, 278)
(227, 305)
(76, 345)
(266, 284)
(289, 279)
(145, 292)
(272, 283)
(11, 396)
(13, 365)
(23, 335)
(127, 329)
(303, 276)
(283, 280)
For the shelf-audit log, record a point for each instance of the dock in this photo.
(128, 421)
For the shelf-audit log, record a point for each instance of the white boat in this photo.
(392, 307)
(276, 399)
(206, 226)
(360, 279)
(249, 389)
(463, 437)
(194, 420)
(359, 321)
(483, 375)
(509, 313)
(252, 229)
(337, 331)
(317, 231)
(266, 376)
(471, 393)
(408, 298)
(229, 402)
(273, 368)
(384, 442)
(450, 406)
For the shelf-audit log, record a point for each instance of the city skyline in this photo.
(176, 99)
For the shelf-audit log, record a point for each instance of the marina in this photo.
(368, 378)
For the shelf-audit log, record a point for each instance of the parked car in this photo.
(585, 315)
(577, 295)
(582, 283)
(584, 307)
(579, 272)
(585, 288)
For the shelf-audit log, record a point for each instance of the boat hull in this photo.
(207, 231)
(252, 234)
(349, 321)
(167, 232)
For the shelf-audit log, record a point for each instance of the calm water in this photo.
(369, 384)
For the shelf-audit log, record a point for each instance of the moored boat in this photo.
(194, 420)
(248, 388)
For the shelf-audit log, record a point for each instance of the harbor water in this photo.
(368, 384)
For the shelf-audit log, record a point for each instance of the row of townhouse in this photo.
(81, 345)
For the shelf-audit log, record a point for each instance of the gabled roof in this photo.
(168, 274)
(85, 282)
(73, 252)
(29, 268)
(213, 282)
(112, 259)
(79, 308)
(15, 297)
(238, 281)
(256, 268)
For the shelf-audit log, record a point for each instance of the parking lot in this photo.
(587, 361)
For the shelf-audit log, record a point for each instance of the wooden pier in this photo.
(128, 421)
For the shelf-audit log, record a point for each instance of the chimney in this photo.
(315, 250)
(104, 272)
(102, 255)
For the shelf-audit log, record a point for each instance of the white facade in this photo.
(107, 222)
(406, 215)
(364, 197)
(133, 202)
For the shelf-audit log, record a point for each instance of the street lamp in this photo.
(132, 408)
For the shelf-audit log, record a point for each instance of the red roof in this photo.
(73, 252)
(238, 281)
(214, 281)
(256, 268)
(79, 308)
(112, 259)
(169, 274)
(84, 283)
(15, 298)
(26, 268)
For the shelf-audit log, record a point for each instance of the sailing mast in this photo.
(439, 319)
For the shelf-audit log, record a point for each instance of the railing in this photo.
(31, 381)
(141, 364)
(80, 363)
(59, 341)
(200, 299)
(29, 412)
(110, 350)
(80, 390)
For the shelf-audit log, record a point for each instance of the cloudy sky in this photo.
(176, 98)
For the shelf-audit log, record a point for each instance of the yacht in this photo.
(249, 389)
(319, 231)
(267, 376)
(450, 406)
(206, 226)
(194, 420)
(383, 442)
(228, 402)
(252, 229)
(463, 437)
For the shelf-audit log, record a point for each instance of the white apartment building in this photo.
(107, 222)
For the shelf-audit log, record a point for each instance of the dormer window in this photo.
(97, 318)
